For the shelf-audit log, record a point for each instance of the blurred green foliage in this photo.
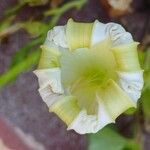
(34, 2)
(19, 67)
(146, 90)
(106, 139)
(73, 4)
(35, 28)
(109, 139)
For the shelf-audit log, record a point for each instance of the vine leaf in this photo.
(106, 139)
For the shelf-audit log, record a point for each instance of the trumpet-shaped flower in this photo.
(89, 74)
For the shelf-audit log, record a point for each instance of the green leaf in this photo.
(35, 28)
(146, 90)
(9, 30)
(26, 64)
(147, 70)
(106, 139)
(34, 2)
(146, 102)
(132, 145)
(73, 4)
(147, 60)
(130, 111)
(6, 27)
(5, 24)
(141, 56)
(22, 53)
(13, 10)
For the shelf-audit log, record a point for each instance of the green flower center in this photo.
(84, 71)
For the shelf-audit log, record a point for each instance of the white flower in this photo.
(89, 74)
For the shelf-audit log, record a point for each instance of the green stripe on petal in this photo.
(127, 57)
(66, 108)
(49, 57)
(115, 99)
(78, 34)
(84, 71)
(106, 57)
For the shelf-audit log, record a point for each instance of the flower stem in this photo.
(77, 4)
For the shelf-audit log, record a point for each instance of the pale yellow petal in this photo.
(49, 57)
(126, 57)
(115, 99)
(66, 108)
(78, 34)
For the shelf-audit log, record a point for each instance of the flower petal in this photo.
(50, 77)
(115, 99)
(58, 36)
(115, 31)
(102, 49)
(98, 32)
(78, 34)
(84, 123)
(118, 34)
(66, 108)
(49, 57)
(48, 96)
(132, 83)
(127, 57)
(111, 104)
